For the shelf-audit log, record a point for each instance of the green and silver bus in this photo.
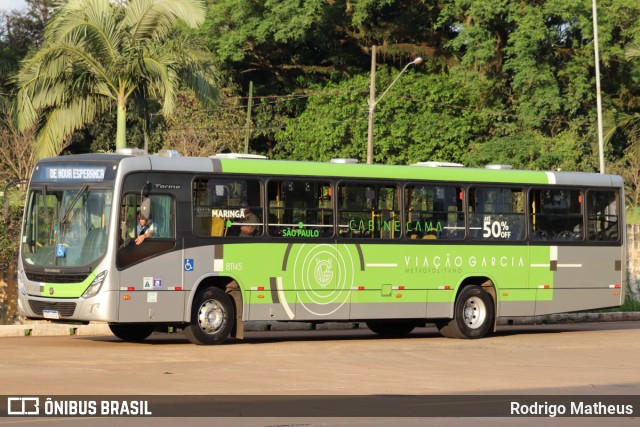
(234, 240)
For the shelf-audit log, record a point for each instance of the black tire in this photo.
(133, 332)
(392, 329)
(473, 315)
(212, 317)
(441, 323)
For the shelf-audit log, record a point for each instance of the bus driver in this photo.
(144, 228)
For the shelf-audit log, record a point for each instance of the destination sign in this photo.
(72, 173)
(75, 174)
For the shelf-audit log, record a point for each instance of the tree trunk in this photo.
(121, 131)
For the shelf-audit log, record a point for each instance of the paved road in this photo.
(593, 358)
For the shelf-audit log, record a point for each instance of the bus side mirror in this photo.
(145, 208)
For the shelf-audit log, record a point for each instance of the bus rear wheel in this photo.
(134, 332)
(472, 317)
(391, 329)
(211, 317)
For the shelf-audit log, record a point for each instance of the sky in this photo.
(12, 4)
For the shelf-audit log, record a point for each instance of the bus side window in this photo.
(496, 213)
(128, 218)
(602, 216)
(368, 210)
(556, 215)
(160, 217)
(300, 208)
(222, 206)
(433, 212)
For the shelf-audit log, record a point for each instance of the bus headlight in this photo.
(95, 286)
(21, 288)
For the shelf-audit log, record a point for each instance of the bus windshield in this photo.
(66, 227)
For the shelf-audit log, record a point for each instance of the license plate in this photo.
(51, 314)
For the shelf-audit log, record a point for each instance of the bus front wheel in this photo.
(211, 317)
(473, 315)
(131, 332)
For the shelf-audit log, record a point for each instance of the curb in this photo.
(53, 329)
(614, 316)
(36, 329)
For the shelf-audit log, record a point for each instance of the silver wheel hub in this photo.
(474, 312)
(211, 316)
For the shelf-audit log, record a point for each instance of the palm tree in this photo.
(628, 124)
(627, 127)
(97, 53)
(632, 50)
(632, 122)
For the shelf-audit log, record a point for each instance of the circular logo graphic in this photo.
(323, 273)
(322, 277)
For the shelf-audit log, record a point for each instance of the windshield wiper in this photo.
(83, 190)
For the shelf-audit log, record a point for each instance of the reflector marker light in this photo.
(126, 297)
(398, 288)
(544, 287)
(445, 288)
(175, 288)
(257, 288)
(359, 288)
(616, 286)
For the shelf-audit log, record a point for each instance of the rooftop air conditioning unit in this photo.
(344, 161)
(129, 151)
(239, 156)
(438, 164)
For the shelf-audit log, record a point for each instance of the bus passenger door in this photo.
(150, 268)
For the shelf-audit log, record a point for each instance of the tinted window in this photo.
(66, 227)
(227, 207)
(368, 211)
(433, 212)
(496, 213)
(301, 209)
(556, 215)
(161, 221)
(602, 216)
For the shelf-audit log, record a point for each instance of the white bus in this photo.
(237, 240)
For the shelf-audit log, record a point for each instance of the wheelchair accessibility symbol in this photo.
(188, 264)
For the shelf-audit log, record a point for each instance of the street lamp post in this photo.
(598, 92)
(373, 101)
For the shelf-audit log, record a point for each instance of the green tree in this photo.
(625, 127)
(20, 31)
(195, 131)
(288, 46)
(534, 61)
(538, 57)
(97, 53)
(629, 123)
(428, 115)
(282, 45)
